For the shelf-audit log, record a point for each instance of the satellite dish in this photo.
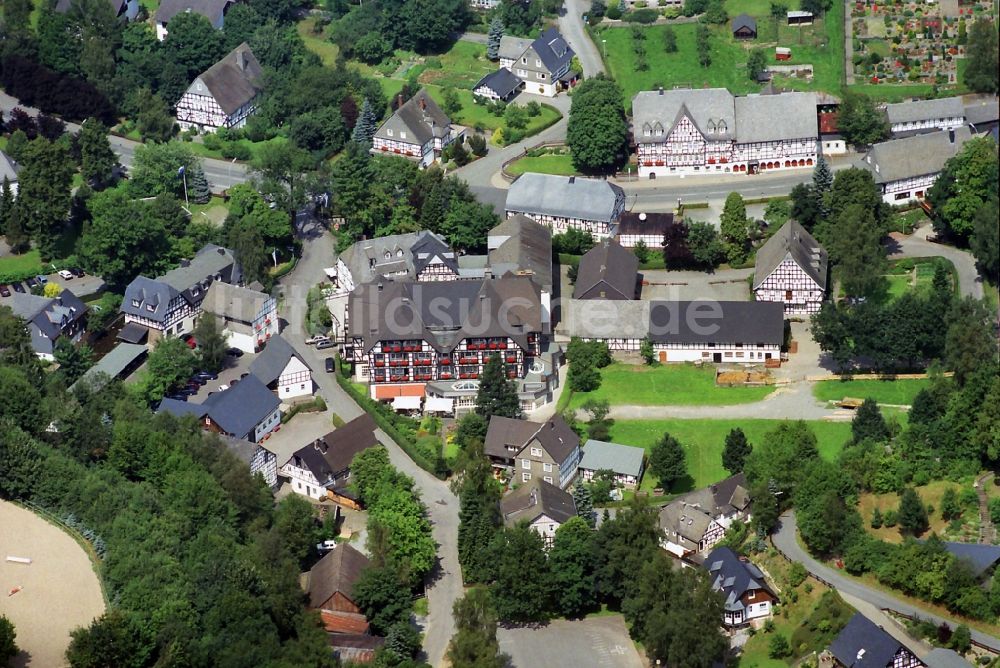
(642, 216)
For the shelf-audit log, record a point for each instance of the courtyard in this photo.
(595, 642)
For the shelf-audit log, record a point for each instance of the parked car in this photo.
(189, 340)
(223, 388)
(4, 291)
(31, 283)
(197, 380)
(317, 339)
(329, 364)
(326, 546)
(42, 280)
(177, 397)
(17, 287)
(188, 391)
(323, 345)
(207, 375)
(66, 274)
(234, 352)
(76, 271)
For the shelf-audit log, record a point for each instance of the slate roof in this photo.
(111, 365)
(691, 514)
(756, 117)
(512, 47)
(191, 279)
(733, 577)
(210, 9)
(336, 572)
(862, 644)
(980, 558)
(117, 6)
(976, 113)
(271, 361)
(568, 197)
(332, 454)
(427, 248)
(636, 223)
(609, 269)
(925, 110)
(207, 262)
(744, 21)
(47, 317)
(622, 459)
(791, 240)
(558, 439)
(236, 411)
(536, 498)
(399, 264)
(553, 50)
(918, 155)
(420, 116)
(523, 247)
(503, 432)
(235, 80)
(8, 168)
(234, 302)
(939, 657)
(503, 82)
(148, 292)
(445, 312)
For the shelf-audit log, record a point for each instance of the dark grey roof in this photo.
(733, 577)
(567, 197)
(332, 454)
(240, 408)
(534, 499)
(918, 155)
(431, 246)
(925, 110)
(367, 261)
(47, 317)
(506, 436)
(792, 240)
(744, 21)
(445, 312)
(980, 558)
(199, 271)
(983, 111)
(622, 459)
(607, 271)
(63, 6)
(939, 657)
(862, 644)
(179, 408)
(691, 514)
(148, 298)
(521, 246)
(271, 361)
(645, 223)
(503, 82)
(8, 168)
(111, 365)
(705, 321)
(558, 439)
(133, 332)
(235, 80)
(210, 9)
(553, 50)
(420, 116)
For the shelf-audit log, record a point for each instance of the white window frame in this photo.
(526, 464)
(548, 479)
(388, 131)
(525, 477)
(547, 468)
(536, 452)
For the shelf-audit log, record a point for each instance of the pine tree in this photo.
(15, 229)
(950, 507)
(646, 351)
(497, 395)
(198, 190)
(364, 129)
(868, 423)
(737, 449)
(667, 461)
(6, 204)
(479, 515)
(822, 183)
(912, 516)
(584, 501)
(97, 160)
(493, 39)
(876, 519)
(211, 342)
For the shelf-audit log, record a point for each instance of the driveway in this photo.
(916, 245)
(723, 285)
(597, 642)
(573, 29)
(785, 540)
(442, 506)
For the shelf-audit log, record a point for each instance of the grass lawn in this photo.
(704, 439)
(203, 151)
(899, 392)
(462, 66)
(214, 211)
(552, 163)
(26, 264)
(820, 45)
(666, 385)
(317, 42)
(931, 494)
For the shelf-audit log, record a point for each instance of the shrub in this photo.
(212, 141)
(644, 16)
(614, 13)
(889, 518)
(778, 648)
(232, 150)
(797, 574)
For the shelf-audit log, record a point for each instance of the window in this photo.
(547, 468)
(541, 75)
(150, 308)
(402, 134)
(536, 452)
(525, 463)
(135, 303)
(302, 386)
(538, 62)
(388, 131)
(524, 60)
(525, 477)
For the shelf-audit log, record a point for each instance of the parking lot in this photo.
(597, 642)
(81, 286)
(235, 368)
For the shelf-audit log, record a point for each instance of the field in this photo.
(703, 441)
(966, 530)
(317, 42)
(60, 591)
(666, 385)
(897, 392)
(550, 163)
(26, 264)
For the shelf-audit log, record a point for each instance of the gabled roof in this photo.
(367, 261)
(553, 50)
(234, 302)
(925, 110)
(512, 47)
(8, 168)
(523, 247)
(756, 114)
(744, 21)
(271, 361)
(862, 644)
(733, 577)
(534, 499)
(47, 317)
(210, 261)
(420, 116)
(506, 436)
(918, 155)
(503, 82)
(562, 196)
(621, 459)
(791, 240)
(337, 572)
(431, 246)
(558, 439)
(210, 9)
(63, 6)
(240, 408)
(708, 108)
(939, 657)
(648, 224)
(980, 558)
(235, 80)
(691, 514)
(609, 268)
(148, 298)
(111, 365)
(331, 455)
(976, 113)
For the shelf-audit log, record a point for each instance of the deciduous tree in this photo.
(734, 228)
(860, 122)
(383, 597)
(573, 567)
(97, 160)
(980, 73)
(520, 575)
(474, 644)
(597, 133)
(8, 648)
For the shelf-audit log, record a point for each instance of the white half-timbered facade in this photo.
(683, 132)
(904, 169)
(906, 118)
(561, 203)
(791, 269)
(265, 463)
(225, 95)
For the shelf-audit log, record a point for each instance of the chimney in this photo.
(572, 179)
(241, 59)
(951, 135)
(423, 103)
(399, 101)
(380, 286)
(220, 251)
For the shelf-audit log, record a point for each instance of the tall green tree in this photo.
(20, 460)
(736, 451)
(493, 39)
(597, 132)
(73, 361)
(520, 575)
(822, 183)
(116, 638)
(860, 121)
(981, 66)
(44, 191)
(573, 566)
(169, 365)
(153, 119)
(497, 394)
(11, 219)
(969, 341)
(193, 43)
(668, 462)
(479, 515)
(211, 342)
(646, 351)
(97, 160)
(197, 185)
(985, 240)
(735, 228)
(868, 423)
(859, 253)
(584, 502)
(251, 253)
(474, 644)
(366, 126)
(383, 597)
(912, 515)
(756, 64)
(967, 182)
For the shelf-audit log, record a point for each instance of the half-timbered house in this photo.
(918, 116)
(747, 596)
(526, 451)
(696, 521)
(649, 228)
(904, 169)
(418, 130)
(863, 644)
(542, 505)
(791, 269)
(225, 95)
(213, 10)
(561, 203)
(324, 465)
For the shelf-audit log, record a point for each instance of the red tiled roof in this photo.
(344, 622)
(828, 122)
(390, 391)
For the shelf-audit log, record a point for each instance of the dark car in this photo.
(206, 375)
(17, 287)
(76, 272)
(177, 397)
(31, 282)
(329, 364)
(4, 291)
(197, 380)
(188, 391)
(234, 352)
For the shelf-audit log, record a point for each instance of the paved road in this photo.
(442, 505)
(221, 174)
(572, 27)
(916, 245)
(784, 539)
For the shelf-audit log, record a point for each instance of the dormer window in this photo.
(150, 308)
(135, 303)
(399, 253)
(647, 130)
(402, 134)
(658, 130)
(387, 255)
(711, 127)
(388, 131)
(721, 127)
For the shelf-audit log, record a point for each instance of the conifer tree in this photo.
(737, 449)
(822, 183)
(584, 501)
(364, 129)
(497, 395)
(198, 190)
(493, 39)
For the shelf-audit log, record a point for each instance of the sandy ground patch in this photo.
(60, 590)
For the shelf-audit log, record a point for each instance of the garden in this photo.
(897, 392)
(555, 160)
(953, 518)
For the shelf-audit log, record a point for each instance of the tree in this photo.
(197, 185)
(858, 251)
(966, 183)
(73, 361)
(961, 639)
(383, 597)
(950, 507)
(251, 253)
(597, 132)
(981, 57)
(43, 194)
(969, 339)
(493, 39)
(705, 246)
(479, 515)
(667, 461)
(520, 574)
(876, 522)
(669, 40)
(734, 228)
(211, 342)
(860, 121)
(985, 240)
(116, 638)
(701, 34)
(157, 169)
(8, 648)
(806, 205)
(153, 119)
(584, 502)
(497, 394)
(736, 451)
(573, 567)
(97, 160)
(474, 644)
(868, 423)
(912, 515)
(192, 43)
(365, 128)
(817, 7)
(646, 351)
(778, 647)
(822, 177)
(169, 364)
(756, 64)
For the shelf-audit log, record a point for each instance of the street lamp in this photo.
(183, 174)
(605, 43)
